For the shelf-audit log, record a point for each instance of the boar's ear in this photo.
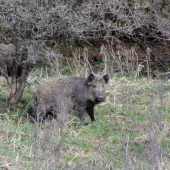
(90, 78)
(106, 78)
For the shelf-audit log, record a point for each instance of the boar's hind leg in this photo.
(37, 111)
(90, 111)
(40, 114)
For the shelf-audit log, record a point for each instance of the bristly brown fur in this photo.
(78, 94)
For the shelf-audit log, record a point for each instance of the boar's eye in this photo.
(94, 86)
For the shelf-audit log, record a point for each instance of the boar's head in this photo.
(96, 85)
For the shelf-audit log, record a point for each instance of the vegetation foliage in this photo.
(132, 128)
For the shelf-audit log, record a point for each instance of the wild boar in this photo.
(77, 94)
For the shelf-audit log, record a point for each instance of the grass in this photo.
(131, 131)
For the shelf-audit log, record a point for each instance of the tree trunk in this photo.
(13, 82)
(25, 72)
(16, 94)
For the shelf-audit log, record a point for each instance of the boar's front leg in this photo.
(90, 111)
(81, 116)
(80, 112)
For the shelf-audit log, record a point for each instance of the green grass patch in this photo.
(134, 113)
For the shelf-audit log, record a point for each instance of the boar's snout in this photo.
(100, 99)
